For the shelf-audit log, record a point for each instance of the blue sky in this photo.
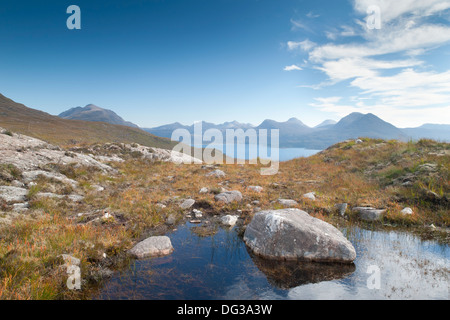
(155, 62)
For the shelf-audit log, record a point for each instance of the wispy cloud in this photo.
(305, 45)
(292, 68)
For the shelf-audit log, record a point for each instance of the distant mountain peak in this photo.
(326, 123)
(94, 113)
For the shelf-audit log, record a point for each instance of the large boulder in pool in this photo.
(292, 234)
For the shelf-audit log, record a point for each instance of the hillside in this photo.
(21, 119)
(112, 206)
(94, 113)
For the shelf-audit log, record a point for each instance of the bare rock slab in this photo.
(152, 247)
(13, 194)
(292, 234)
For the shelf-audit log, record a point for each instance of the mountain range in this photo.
(106, 124)
(294, 133)
(18, 118)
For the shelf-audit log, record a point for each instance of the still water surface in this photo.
(220, 267)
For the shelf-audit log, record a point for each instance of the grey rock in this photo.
(29, 176)
(204, 190)
(287, 202)
(292, 234)
(310, 196)
(152, 247)
(13, 194)
(21, 207)
(229, 220)
(171, 219)
(341, 207)
(369, 213)
(228, 196)
(407, 210)
(216, 173)
(186, 204)
(197, 213)
(18, 184)
(255, 188)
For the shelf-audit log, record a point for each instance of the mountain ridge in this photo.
(95, 113)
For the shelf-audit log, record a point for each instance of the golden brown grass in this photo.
(358, 174)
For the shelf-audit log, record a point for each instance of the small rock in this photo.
(203, 190)
(20, 207)
(310, 196)
(171, 219)
(106, 216)
(197, 213)
(186, 204)
(229, 196)
(358, 141)
(229, 220)
(341, 207)
(255, 202)
(407, 210)
(152, 247)
(255, 188)
(369, 213)
(160, 205)
(216, 173)
(287, 202)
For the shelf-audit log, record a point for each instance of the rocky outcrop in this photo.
(292, 234)
(152, 247)
(27, 154)
(13, 194)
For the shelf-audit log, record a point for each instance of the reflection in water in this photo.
(290, 274)
(220, 267)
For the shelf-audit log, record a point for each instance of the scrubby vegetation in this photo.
(119, 209)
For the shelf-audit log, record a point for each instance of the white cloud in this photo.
(292, 68)
(391, 10)
(385, 65)
(348, 68)
(305, 45)
(311, 15)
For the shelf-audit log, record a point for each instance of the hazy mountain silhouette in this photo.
(96, 114)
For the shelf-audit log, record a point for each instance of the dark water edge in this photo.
(220, 267)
